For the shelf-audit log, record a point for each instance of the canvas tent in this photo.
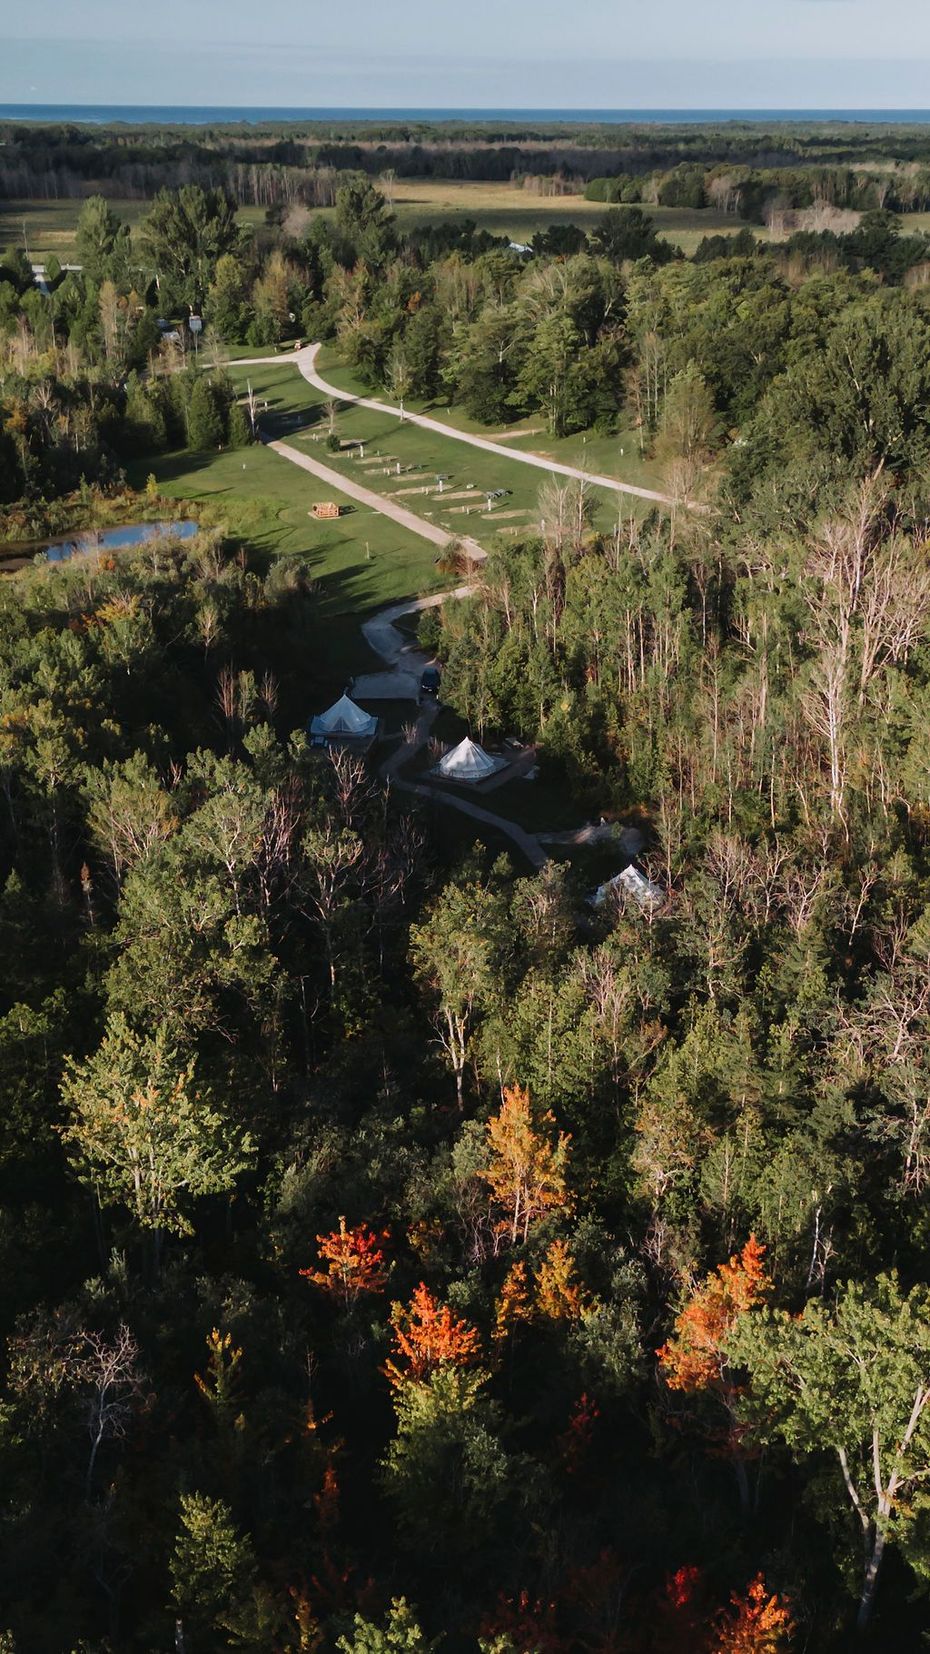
(468, 762)
(631, 882)
(343, 722)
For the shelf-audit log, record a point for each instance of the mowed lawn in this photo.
(295, 411)
(616, 455)
(358, 564)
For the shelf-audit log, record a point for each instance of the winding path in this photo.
(403, 657)
(305, 361)
(379, 631)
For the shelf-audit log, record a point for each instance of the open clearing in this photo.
(47, 227)
(295, 413)
(502, 209)
(358, 563)
(616, 455)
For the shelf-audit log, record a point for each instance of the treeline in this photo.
(285, 161)
(606, 329)
(755, 194)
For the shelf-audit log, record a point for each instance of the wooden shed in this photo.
(326, 509)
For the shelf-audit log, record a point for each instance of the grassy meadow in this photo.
(358, 563)
(295, 411)
(47, 227)
(616, 455)
(502, 209)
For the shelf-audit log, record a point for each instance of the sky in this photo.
(596, 54)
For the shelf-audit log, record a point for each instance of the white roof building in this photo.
(344, 721)
(468, 762)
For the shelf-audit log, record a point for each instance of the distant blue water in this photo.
(116, 539)
(205, 115)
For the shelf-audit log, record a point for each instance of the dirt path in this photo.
(386, 640)
(527, 843)
(404, 658)
(305, 362)
(376, 502)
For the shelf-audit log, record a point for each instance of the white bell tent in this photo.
(468, 762)
(344, 721)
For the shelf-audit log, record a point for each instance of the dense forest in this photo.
(263, 163)
(399, 1251)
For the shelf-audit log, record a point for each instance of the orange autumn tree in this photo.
(558, 1296)
(427, 1335)
(695, 1358)
(526, 1173)
(514, 1304)
(354, 1262)
(695, 1361)
(757, 1623)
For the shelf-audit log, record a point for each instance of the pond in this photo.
(16, 554)
(115, 539)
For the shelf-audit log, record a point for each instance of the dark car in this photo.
(429, 683)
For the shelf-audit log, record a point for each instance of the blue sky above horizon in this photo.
(491, 53)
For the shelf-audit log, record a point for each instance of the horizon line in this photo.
(493, 110)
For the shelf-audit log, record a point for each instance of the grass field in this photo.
(260, 498)
(295, 411)
(502, 209)
(616, 455)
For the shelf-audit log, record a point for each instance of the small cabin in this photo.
(325, 510)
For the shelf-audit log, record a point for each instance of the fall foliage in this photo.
(756, 1623)
(526, 1173)
(554, 1295)
(354, 1262)
(694, 1358)
(559, 1296)
(514, 1302)
(427, 1335)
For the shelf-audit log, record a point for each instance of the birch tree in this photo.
(851, 1379)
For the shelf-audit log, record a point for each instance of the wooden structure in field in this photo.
(324, 510)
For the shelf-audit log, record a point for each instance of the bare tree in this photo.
(107, 1372)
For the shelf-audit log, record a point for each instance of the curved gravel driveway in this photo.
(305, 361)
